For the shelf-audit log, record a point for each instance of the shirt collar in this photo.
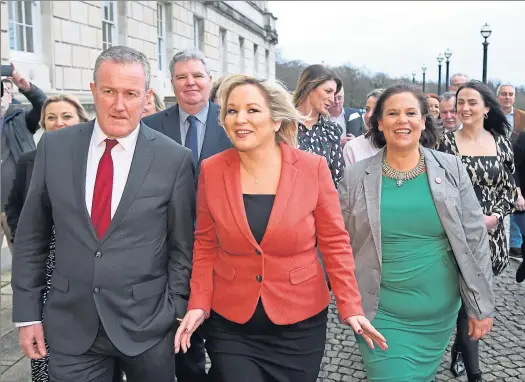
(128, 142)
(201, 115)
(511, 112)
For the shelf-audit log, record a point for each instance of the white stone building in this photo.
(55, 43)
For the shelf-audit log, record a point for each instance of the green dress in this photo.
(419, 295)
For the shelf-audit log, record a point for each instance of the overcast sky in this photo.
(396, 37)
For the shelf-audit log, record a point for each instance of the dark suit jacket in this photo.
(232, 271)
(17, 196)
(136, 279)
(215, 139)
(356, 125)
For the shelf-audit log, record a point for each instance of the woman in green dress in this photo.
(419, 241)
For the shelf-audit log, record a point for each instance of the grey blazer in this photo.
(136, 279)
(460, 214)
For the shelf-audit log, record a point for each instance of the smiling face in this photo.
(402, 122)
(322, 97)
(120, 95)
(192, 85)
(248, 121)
(471, 108)
(60, 114)
(433, 106)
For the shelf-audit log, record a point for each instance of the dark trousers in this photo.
(98, 363)
(191, 367)
(469, 349)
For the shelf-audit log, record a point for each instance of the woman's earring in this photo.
(486, 115)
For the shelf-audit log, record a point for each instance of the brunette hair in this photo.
(429, 135)
(311, 78)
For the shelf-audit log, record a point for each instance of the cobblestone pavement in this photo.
(502, 352)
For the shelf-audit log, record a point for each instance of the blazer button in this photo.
(258, 278)
(96, 290)
(257, 252)
(98, 254)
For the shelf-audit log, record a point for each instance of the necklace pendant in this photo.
(399, 182)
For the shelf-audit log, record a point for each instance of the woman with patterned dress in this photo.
(318, 134)
(419, 241)
(487, 155)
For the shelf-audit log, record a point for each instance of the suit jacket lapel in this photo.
(232, 183)
(80, 156)
(437, 182)
(284, 190)
(140, 165)
(372, 189)
(171, 124)
(211, 135)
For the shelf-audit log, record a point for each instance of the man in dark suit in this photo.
(350, 120)
(122, 201)
(194, 123)
(194, 120)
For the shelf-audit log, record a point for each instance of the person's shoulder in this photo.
(153, 119)
(350, 110)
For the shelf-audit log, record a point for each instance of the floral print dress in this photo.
(493, 181)
(324, 139)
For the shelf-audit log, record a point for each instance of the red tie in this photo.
(101, 207)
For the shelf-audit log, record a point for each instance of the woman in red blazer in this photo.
(262, 208)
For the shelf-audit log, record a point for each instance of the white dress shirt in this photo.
(122, 155)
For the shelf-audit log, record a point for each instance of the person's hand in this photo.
(346, 138)
(363, 327)
(520, 203)
(491, 222)
(19, 80)
(192, 320)
(479, 328)
(31, 340)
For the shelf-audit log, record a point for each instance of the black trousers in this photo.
(98, 363)
(469, 349)
(191, 366)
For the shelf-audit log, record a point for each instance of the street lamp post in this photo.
(448, 53)
(485, 32)
(424, 69)
(414, 77)
(440, 60)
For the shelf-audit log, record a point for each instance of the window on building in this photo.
(267, 62)
(21, 26)
(109, 28)
(241, 54)
(223, 51)
(161, 43)
(198, 33)
(255, 60)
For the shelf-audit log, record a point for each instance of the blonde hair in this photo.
(71, 99)
(279, 102)
(159, 105)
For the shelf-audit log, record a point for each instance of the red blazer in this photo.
(231, 271)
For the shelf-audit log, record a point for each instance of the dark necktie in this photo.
(101, 207)
(192, 141)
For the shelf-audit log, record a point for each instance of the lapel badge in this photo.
(438, 180)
